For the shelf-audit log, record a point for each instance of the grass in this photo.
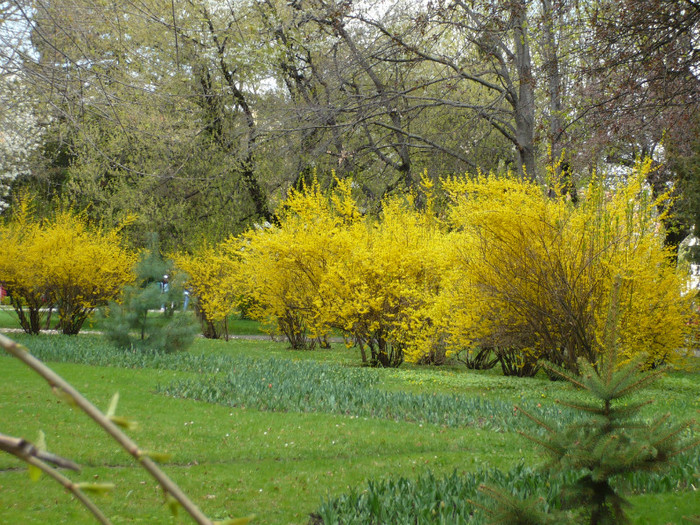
(236, 326)
(8, 318)
(236, 461)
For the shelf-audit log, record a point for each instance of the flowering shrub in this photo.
(214, 281)
(62, 262)
(534, 275)
(284, 265)
(509, 274)
(379, 289)
(21, 269)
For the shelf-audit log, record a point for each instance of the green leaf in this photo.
(124, 422)
(158, 457)
(41, 442)
(63, 396)
(236, 521)
(173, 504)
(96, 488)
(113, 405)
(34, 473)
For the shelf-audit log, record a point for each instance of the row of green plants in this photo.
(285, 385)
(290, 391)
(430, 499)
(455, 499)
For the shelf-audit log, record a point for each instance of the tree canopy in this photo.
(200, 115)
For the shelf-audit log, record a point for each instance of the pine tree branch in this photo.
(657, 424)
(534, 419)
(553, 450)
(564, 374)
(586, 408)
(690, 445)
(673, 434)
(619, 412)
(644, 381)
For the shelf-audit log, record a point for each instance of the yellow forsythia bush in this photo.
(378, 290)
(508, 273)
(62, 262)
(21, 269)
(533, 276)
(214, 279)
(284, 265)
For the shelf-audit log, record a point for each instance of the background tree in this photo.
(207, 113)
(391, 115)
(644, 90)
(685, 165)
(155, 122)
(20, 133)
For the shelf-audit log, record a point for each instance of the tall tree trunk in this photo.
(551, 68)
(525, 103)
(250, 180)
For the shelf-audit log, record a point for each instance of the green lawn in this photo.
(240, 460)
(8, 319)
(236, 326)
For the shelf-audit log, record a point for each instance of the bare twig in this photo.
(30, 454)
(23, 449)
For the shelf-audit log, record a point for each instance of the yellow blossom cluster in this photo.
(213, 278)
(61, 263)
(534, 276)
(503, 267)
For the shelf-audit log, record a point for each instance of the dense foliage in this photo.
(506, 273)
(213, 281)
(283, 265)
(534, 275)
(199, 118)
(62, 263)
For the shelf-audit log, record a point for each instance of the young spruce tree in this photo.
(608, 441)
(148, 317)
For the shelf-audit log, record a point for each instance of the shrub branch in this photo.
(56, 382)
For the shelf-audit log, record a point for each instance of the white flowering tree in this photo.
(20, 133)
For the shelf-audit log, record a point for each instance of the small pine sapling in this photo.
(146, 318)
(609, 440)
